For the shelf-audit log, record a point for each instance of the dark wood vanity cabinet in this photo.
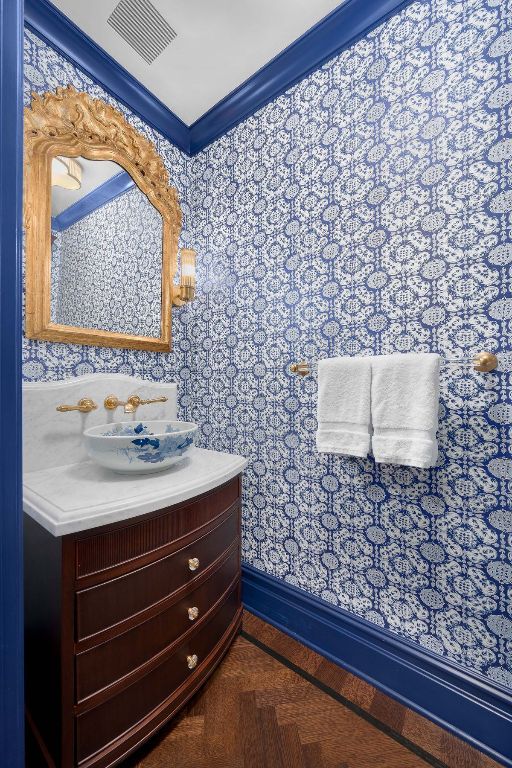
(125, 622)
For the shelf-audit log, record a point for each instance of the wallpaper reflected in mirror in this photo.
(106, 266)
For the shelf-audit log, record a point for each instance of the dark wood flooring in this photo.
(256, 712)
(442, 746)
(273, 703)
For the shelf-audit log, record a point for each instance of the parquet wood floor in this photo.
(257, 713)
(447, 749)
(297, 711)
(273, 703)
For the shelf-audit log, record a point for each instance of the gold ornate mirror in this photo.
(102, 227)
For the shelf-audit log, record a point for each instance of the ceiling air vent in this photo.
(142, 27)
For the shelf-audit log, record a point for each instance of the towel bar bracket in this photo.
(485, 362)
(302, 368)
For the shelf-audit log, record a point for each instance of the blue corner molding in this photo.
(467, 704)
(57, 30)
(339, 30)
(11, 554)
(109, 190)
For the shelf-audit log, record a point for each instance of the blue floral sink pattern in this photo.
(135, 447)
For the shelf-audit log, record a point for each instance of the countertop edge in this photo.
(47, 514)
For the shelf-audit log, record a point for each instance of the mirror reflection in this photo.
(106, 266)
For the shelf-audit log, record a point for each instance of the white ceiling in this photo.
(219, 44)
(94, 173)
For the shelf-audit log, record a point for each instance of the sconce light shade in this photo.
(188, 267)
(187, 288)
(66, 172)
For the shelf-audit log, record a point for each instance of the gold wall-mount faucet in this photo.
(112, 402)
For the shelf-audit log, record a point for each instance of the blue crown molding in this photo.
(56, 29)
(339, 30)
(11, 546)
(336, 32)
(467, 704)
(105, 193)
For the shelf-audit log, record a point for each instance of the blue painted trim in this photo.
(467, 704)
(336, 32)
(109, 190)
(339, 30)
(11, 554)
(57, 30)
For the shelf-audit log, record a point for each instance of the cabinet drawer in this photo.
(106, 663)
(100, 552)
(103, 724)
(107, 604)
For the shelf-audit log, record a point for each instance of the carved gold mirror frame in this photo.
(74, 124)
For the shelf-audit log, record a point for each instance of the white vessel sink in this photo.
(139, 446)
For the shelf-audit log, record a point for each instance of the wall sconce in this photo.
(186, 290)
(66, 172)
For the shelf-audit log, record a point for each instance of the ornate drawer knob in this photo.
(193, 613)
(192, 661)
(193, 563)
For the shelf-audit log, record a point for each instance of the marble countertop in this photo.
(77, 497)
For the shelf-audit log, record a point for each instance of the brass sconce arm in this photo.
(85, 405)
(182, 294)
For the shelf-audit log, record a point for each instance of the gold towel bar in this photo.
(482, 361)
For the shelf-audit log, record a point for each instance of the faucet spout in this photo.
(134, 401)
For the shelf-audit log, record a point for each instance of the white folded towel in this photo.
(405, 405)
(344, 386)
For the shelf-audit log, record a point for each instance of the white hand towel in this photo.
(344, 386)
(405, 405)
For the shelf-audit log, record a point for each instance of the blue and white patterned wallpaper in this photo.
(365, 211)
(108, 268)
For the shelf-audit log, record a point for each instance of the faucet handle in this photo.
(112, 402)
(85, 405)
(135, 401)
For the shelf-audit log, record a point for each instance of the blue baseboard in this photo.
(466, 704)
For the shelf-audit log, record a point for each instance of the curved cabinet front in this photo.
(125, 622)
